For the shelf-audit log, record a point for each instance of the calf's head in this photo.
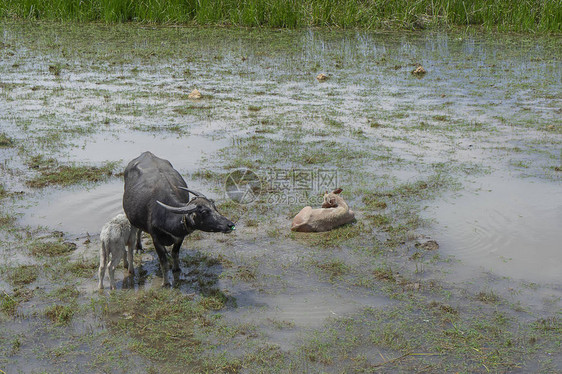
(202, 214)
(331, 199)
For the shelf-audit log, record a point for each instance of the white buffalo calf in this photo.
(117, 237)
(334, 213)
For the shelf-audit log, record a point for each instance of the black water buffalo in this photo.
(156, 200)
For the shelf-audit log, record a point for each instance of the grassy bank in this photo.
(511, 15)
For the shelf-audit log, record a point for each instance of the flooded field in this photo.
(454, 262)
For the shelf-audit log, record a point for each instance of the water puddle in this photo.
(184, 152)
(508, 226)
(312, 309)
(77, 211)
(305, 304)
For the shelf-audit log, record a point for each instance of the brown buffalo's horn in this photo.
(198, 194)
(178, 210)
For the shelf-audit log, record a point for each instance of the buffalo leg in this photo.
(139, 241)
(130, 259)
(161, 251)
(126, 261)
(176, 255)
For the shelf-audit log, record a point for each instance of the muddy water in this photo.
(508, 226)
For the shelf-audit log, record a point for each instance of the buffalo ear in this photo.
(337, 191)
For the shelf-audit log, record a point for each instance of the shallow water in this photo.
(507, 89)
(64, 210)
(487, 114)
(186, 152)
(508, 226)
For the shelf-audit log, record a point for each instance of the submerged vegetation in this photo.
(512, 15)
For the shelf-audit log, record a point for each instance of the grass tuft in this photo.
(488, 297)
(55, 248)
(384, 273)
(335, 268)
(6, 220)
(330, 239)
(5, 141)
(3, 191)
(21, 275)
(82, 269)
(60, 314)
(9, 302)
(50, 172)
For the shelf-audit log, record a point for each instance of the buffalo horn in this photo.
(179, 210)
(198, 194)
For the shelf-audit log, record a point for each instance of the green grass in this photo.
(83, 269)
(487, 297)
(164, 326)
(50, 172)
(9, 302)
(20, 275)
(512, 15)
(54, 248)
(3, 191)
(334, 268)
(6, 220)
(428, 337)
(330, 239)
(5, 141)
(259, 151)
(60, 314)
(384, 273)
(65, 293)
